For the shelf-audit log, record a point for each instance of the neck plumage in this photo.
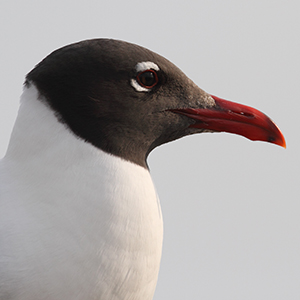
(85, 224)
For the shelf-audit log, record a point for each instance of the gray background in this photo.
(231, 206)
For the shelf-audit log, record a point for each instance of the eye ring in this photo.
(147, 79)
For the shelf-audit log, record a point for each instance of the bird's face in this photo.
(127, 100)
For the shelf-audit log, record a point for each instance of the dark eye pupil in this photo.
(147, 79)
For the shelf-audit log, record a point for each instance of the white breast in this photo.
(75, 222)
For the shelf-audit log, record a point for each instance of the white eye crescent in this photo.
(146, 77)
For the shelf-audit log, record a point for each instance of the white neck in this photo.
(83, 224)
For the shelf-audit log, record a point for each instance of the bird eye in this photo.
(147, 79)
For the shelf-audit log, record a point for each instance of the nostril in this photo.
(242, 113)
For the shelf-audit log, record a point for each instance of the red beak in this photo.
(235, 118)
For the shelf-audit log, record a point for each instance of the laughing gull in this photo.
(79, 215)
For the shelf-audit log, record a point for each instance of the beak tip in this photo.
(278, 140)
(283, 144)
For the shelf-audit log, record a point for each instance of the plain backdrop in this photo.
(231, 206)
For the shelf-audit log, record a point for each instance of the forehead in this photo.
(119, 54)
